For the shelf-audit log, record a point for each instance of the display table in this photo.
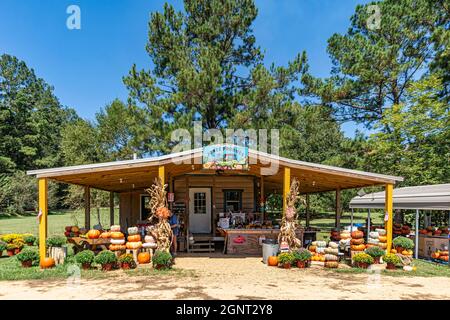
(81, 244)
(249, 241)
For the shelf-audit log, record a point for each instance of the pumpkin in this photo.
(331, 257)
(75, 229)
(115, 228)
(443, 253)
(358, 247)
(149, 239)
(332, 251)
(382, 245)
(134, 238)
(117, 235)
(272, 261)
(393, 251)
(370, 245)
(151, 245)
(382, 238)
(117, 247)
(357, 234)
(444, 258)
(133, 230)
(333, 245)
(117, 241)
(405, 253)
(357, 241)
(134, 245)
(93, 234)
(47, 263)
(144, 257)
(105, 235)
(312, 248)
(331, 264)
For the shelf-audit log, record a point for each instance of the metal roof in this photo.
(428, 197)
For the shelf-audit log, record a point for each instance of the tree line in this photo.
(207, 66)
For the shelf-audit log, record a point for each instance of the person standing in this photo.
(174, 225)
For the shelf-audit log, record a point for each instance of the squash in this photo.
(117, 247)
(382, 245)
(332, 251)
(405, 253)
(134, 238)
(331, 257)
(382, 239)
(117, 241)
(333, 245)
(357, 241)
(115, 228)
(93, 234)
(312, 248)
(105, 235)
(151, 245)
(47, 263)
(272, 261)
(358, 247)
(134, 245)
(444, 258)
(144, 257)
(133, 230)
(117, 235)
(331, 264)
(393, 251)
(149, 239)
(357, 234)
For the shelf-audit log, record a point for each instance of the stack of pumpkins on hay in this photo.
(134, 239)
(357, 242)
(345, 240)
(117, 239)
(332, 255)
(377, 238)
(317, 249)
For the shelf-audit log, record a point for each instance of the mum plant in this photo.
(403, 242)
(85, 258)
(162, 260)
(106, 259)
(362, 260)
(28, 257)
(376, 253)
(56, 241)
(2, 248)
(286, 259)
(29, 239)
(302, 255)
(127, 261)
(392, 259)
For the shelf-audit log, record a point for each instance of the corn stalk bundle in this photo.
(158, 206)
(289, 220)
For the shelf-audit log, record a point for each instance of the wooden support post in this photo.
(388, 206)
(338, 209)
(161, 174)
(213, 211)
(262, 197)
(43, 213)
(111, 208)
(286, 187)
(87, 207)
(308, 218)
(186, 213)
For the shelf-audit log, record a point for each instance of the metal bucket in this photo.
(270, 247)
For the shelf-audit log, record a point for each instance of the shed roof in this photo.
(428, 197)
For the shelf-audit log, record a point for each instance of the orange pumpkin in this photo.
(144, 257)
(382, 238)
(358, 247)
(47, 263)
(357, 241)
(312, 248)
(93, 234)
(272, 261)
(134, 245)
(105, 235)
(134, 238)
(393, 251)
(117, 235)
(117, 247)
(444, 258)
(357, 234)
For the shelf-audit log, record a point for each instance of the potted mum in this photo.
(302, 257)
(29, 239)
(19, 245)
(362, 260)
(162, 260)
(127, 261)
(107, 259)
(85, 258)
(2, 248)
(286, 259)
(403, 243)
(376, 253)
(11, 249)
(28, 257)
(392, 260)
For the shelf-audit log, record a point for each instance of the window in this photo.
(199, 203)
(233, 200)
(145, 210)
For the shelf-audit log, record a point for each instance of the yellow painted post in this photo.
(161, 174)
(388, 206)
(286, 187)
(43, 212)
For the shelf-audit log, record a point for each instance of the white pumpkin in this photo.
(115, 228)
(149, 245)
(149, 239)
(133, 231)
(117, 241)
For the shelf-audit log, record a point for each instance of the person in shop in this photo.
(173, 221)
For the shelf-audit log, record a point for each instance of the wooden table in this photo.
(81, 244)
(249, 241)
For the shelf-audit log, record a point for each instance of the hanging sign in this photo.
(225, 157)
(170, 197)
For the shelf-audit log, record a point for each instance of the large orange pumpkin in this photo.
(134, 238)
(93, 234)
(357, 241)
(272, 261)
(358, 247)
(47, 263)
(357, 234)
(117, 235)
(144, 257)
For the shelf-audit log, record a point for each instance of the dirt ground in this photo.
(234, 278)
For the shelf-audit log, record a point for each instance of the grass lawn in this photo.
(56, 221)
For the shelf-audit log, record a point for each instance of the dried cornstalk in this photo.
(289, 220)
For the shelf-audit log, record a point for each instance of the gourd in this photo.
(117, 235)
(373, 241)
(149, 239)
(381, 232)
(105, 235)
(357, 234)
(358, 247)
(331, 264)
(134, 238)
(115, 228)
(75, 229)
(272, 261)
(333, 245)
(319, 243)
(331, 257)
(134, 245)
(332, 251)
(345, 235)
(144, 257)
(151, 245)
(357, 241)
(117, 241)
(382, 239)
(374, 234)
(393, 251)
(312, 248)
(93, 234)
(133, 230)
(47, 263)
(117, 247)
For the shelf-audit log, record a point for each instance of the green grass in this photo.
(56, 221)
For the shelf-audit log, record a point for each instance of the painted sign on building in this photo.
(225, 157)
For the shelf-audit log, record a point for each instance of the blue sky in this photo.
(86, 66)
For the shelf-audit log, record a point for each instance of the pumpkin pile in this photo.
(117, 239)
(399, 229)
(149, 241)
(332, 255)
(373, 240)
(382, 238)
(345, 240)
(134, 239)
(317, 249)
(430, 231)
(72, 231)
(357, 241)
(440, 255)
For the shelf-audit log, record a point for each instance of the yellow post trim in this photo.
(389, 190)
(161, 174)
(43, 211)
(286, 187)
